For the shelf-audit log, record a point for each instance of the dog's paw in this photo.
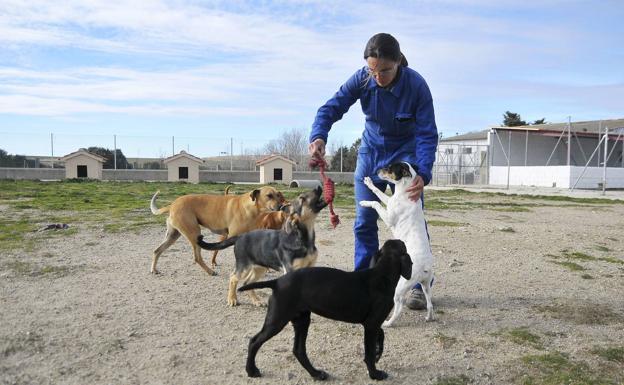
(368, 182)
(232, 302)
(253, 372)
(367, 203)
(154, 271)
(259, 304)
(320, 375)
(386, 324)
(378, 375)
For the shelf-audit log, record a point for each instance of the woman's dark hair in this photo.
(384, 46)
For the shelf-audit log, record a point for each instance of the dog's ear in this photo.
(375, 259)
(318, 191)
(254, 194)
(406, 266)
(415, 167)
(291, 223)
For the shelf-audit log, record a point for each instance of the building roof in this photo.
(183, 154)
(273, 157)
(83, 152)
(475, 135)
(590, 127)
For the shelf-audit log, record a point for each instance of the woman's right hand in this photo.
(317, 148)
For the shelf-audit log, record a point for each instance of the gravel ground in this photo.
(84, 309)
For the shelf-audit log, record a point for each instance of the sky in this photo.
(213, 77)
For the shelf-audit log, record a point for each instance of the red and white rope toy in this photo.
(328, 188)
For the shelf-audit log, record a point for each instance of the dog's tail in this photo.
(217, 245)
(227, 190)
(271, 284)
(156, 210)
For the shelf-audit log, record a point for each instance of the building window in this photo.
(467, 150)
(448, 150)
(182, 172)
(82, 171)
(277, 174)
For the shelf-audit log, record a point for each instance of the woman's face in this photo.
(382, 70)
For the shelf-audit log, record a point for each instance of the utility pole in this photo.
(340, 158)
(52, 147)
(569, 138)
(508, 158)
(172, 145)
(604, 166)
(115, 153)
(231, 154)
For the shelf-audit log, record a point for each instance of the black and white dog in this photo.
(406, 220)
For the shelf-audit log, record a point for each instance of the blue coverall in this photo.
(400, 126)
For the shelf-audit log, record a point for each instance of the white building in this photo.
(568, 155)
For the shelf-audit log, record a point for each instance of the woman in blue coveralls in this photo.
(400, 126)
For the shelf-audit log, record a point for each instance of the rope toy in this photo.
(328, 188)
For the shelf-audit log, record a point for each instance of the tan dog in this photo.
(265, 220)
(227, 215)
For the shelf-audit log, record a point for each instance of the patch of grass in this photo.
(456, 380)
(611, 260)
(586, 257)
(556, 368)
(435, 222)
(444, 340)
(522, 336)
(19, 267)
(12, 231)
(513, 209)
(578, 255)
(569, 265)
(28, 341)
(30, 269)
(602, 248)
(587, 276)
(581, 313)
(614, 354)
(53, 270)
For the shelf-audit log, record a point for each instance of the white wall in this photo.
(556, 176)
(593, 176)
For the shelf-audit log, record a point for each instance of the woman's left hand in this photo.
(415, 190)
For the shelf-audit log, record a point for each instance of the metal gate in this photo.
(461, 164)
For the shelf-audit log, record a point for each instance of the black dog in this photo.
(364, 297)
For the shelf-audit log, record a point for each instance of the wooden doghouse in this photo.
(83, 164)
(183, 167)
(276, 169)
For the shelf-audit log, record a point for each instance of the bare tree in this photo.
(292, 144)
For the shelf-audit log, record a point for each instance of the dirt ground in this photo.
(506, 289)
